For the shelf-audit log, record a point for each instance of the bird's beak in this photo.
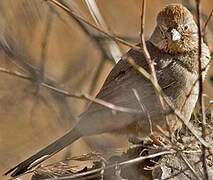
(173, 35)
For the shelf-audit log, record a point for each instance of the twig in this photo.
(72, 13)
(190, 5)
(111, 45)
(151, 62)
(180, 152)
(189, 166)
(122, 164)
(206, 23)
(144, 110)
(100, 22)
(73, 95)
(143, 45)
(97, 38)
(201, 97)
(193, 85)
(15, 73)
(181, 171)
(90, 98)
(188, 125)
(154, 77)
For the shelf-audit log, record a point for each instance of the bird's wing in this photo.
(123, 87)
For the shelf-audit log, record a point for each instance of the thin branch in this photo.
(206, 23)
(111, 45)
(144, 110)
(95, 37)
(151, 62)
(142, 22)
(143, 45)
(124, 164)
(201, 97)
(169, 103)
(175, 146)
(73, 95)
(190, 5)
(72, 13)
(15, 73)
(175, 111)
(180, 172)
(91, 99)
(189, 166)
(193, 85)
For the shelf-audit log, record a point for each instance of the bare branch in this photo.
(193, 85)
(98, 18)
(72, 13)
(144, 110)
(201, 97)
(189, 166)
(73, 95)
(125, 163)
(169, 103)
(151, 62)
(206, 23)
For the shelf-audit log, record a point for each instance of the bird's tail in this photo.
(45, 153)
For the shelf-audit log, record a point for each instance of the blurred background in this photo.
(38, 39)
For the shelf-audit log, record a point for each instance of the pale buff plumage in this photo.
(176, 57)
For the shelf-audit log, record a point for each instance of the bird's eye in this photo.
(186, 27)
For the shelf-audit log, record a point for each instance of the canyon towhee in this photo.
(174, 47)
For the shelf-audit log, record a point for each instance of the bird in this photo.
(173, 46)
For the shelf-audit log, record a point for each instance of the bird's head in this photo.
(176, 30)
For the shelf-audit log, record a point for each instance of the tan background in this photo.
(30, 119)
